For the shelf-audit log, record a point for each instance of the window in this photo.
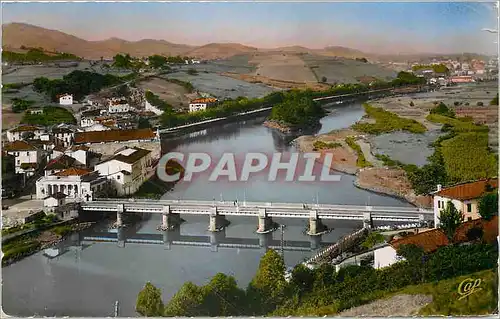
(469, 208)
(27, 153)
(439, 204)
(118, 177)
(469, 219)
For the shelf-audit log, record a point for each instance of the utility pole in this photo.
(282, 227)
(116, 309)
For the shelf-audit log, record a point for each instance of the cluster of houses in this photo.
(62, 161)
(465, 197)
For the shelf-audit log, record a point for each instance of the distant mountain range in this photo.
(16, 35)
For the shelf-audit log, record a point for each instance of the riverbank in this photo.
(352, 154)
(41, 237)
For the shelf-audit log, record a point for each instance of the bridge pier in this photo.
(316, 228)
(315, 242)
(120, 209)
(217, 222)
(265, 223)
(367, 220)
(169, 220)
(264, 240)
(120, 236)
(171, 235)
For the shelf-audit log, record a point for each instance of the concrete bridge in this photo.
(214, 241)
(171, 211)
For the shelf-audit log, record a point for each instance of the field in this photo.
(174, 94)
(221, 86)
(27, 73)
(284, 67)
(337, 70)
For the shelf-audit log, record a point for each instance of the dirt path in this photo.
(397, 306)
(366, 149)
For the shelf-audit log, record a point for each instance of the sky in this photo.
(384, 27)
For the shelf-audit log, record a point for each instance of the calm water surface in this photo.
(85, 278)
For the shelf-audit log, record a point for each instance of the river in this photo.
(83, 278)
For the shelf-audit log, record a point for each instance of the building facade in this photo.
(118, 106)
(27, 158)
(66, 99)
(128, 169)
(75, 183)
(464, 197)
(201, 104)
(22, 132)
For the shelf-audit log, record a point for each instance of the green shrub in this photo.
(386, 122)
(361, 161)
(51, 115)
(62, 230)
(320, 145)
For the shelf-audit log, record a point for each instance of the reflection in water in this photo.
(83, 277)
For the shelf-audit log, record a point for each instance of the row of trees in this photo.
(78, 83)
(437, 68)
(297, 110)
(125, 61)
(319, 292)
(36, 55)
(298, 101)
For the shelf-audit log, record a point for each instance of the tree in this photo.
(302, 279)
(269, 281)
(480, 104)
(143, 123)
(475, 233)
(412, 104)
(412, 253)
(187, 302)
(450, 219)
(223, 297)
(157, 61)
(122, 61)
(488, 205)
(372, 239)
(494, 101)
(149, 301)
(323, 79)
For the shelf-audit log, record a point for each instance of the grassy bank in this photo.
(46, 231)
(446, 299)
(464, 150)
(361, 161)
(320, 145)
(386, 122)
(51, 115)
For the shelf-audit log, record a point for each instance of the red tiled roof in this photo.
(204, 100)
(490, 229)
(73, 172)
(19, 146)
(469, 190)
(26, 128)
(114, 135)
(62, 162)
(431, 240)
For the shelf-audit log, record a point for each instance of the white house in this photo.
(127, 169)
(64, 134)
(430, 240)
(54, 200)
(75, 183)
(464, 196)
(24, 131)
(66, 99)
(57, 151)
(201, 104)
(151, 108)
(61, 163)
(27, 157)
(83, 155)
(118, 106)
(86, 121)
